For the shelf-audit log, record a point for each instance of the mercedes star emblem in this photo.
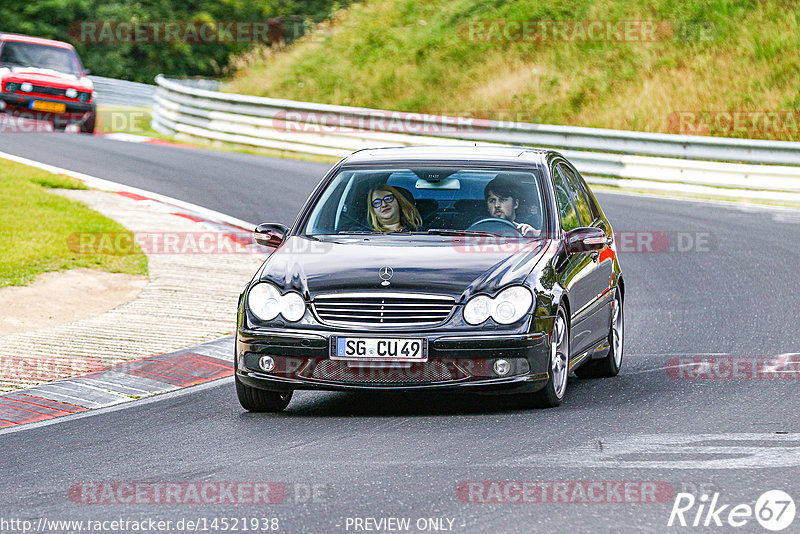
(385, 274)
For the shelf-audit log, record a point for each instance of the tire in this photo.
(558, 369)
(609, 365)
(89, 124)
(260, 401)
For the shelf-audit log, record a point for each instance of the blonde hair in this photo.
(409, 215)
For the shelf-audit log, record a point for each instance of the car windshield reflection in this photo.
(15, 53)
(430, 201)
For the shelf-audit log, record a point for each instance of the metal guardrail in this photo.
(683, 164)
(109, 91)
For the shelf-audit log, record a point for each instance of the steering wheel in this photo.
(496, 225)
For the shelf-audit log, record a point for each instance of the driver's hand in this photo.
(526, 230)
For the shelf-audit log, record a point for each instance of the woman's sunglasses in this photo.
(378, 201)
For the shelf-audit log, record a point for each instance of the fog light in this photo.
(502, 367)
(266, 363)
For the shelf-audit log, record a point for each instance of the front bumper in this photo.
(18, 105)
(302, 361)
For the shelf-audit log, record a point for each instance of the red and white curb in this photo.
(139, 139)
(132, 380)
(118, 384)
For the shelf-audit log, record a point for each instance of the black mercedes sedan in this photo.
(485, 269)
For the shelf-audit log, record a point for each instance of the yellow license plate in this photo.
(50, 107)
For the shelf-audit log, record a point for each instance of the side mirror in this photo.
(86, 72)
(585, 240)
(270, 234)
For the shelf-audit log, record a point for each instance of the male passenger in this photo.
(502, 201)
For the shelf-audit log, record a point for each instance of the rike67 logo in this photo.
(774, 510)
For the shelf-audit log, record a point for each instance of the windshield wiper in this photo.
(449, 232)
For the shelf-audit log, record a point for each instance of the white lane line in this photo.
(127, 138)
(686, 451)
(107, 185)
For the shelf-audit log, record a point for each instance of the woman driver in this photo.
(390, 211)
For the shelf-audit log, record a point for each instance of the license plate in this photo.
(50, 107)
(378, 348)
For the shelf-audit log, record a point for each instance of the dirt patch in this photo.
(63, 297)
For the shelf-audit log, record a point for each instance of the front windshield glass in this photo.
(19, 54)
(430, 200)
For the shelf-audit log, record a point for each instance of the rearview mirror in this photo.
(585, 240)
(270, 234)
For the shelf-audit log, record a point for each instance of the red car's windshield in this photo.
(17, 53)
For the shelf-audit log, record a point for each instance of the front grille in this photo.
(43, 90)
(383, 309)
(415, 373)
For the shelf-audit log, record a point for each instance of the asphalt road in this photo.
(732, 294)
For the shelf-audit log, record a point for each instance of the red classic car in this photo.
(44, 80)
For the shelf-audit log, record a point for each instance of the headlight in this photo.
(478, 309)
(84, 97)
(293, 307)
(12, 87)
(266, 302)
(71, 93)
(509, 306)
(26, 87)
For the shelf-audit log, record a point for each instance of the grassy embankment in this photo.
(35, 226)
(708, 56)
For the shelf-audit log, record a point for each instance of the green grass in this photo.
(710, 55)
(36, 225)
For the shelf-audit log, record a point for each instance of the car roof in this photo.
(34, 40)
(458, 154)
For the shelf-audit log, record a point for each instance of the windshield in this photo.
(16, 53)
(431, 200)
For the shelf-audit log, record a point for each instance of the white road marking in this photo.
(683, 451)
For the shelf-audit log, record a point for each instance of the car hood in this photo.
(447, 265)
(47, 77)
